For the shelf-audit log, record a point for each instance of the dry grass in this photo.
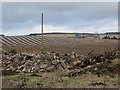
(68, 45)
(55, 80)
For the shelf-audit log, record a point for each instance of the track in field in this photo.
(57, 43)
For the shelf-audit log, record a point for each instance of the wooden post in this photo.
(42, 34)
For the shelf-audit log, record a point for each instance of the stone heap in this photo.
(72, 63)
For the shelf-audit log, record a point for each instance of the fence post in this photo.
(42, 34)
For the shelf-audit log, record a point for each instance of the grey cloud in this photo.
(23, 15)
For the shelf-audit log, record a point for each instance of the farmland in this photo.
(63, 44)
(65, 62)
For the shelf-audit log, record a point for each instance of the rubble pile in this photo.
(74, 64)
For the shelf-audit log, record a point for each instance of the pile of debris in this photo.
(74, 64)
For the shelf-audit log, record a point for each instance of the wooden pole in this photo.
(42, 34)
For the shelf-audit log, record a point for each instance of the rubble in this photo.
(98, 83)
(73, 63)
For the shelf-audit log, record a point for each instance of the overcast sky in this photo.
(90, 17)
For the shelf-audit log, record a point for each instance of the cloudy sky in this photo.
(19, 18)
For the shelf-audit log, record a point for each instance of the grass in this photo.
(53, 79)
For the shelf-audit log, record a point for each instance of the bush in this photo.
(114, 37)
(106, 37)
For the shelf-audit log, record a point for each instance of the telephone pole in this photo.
(42, 34)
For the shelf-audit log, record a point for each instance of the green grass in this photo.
(51, 79)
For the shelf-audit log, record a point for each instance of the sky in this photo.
(21, 18)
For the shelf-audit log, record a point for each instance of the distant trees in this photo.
(2, 35)
(114, 37)
(108, 37)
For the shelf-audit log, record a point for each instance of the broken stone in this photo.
(54, 62)
(27, 57)
(51, 68)
(98, 83)
(96, 69)
(19, 57)
(43, 66)
(76, 63)
(51, 61)
(12, 68)
(41, 70)
(20, 67)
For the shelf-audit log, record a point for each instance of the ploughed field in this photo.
(61, 44)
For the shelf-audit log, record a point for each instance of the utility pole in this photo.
(42, 34)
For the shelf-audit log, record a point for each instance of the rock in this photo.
(11, 58)
(57, 54)
(51, 68)
(18, 71)
(73, 55)
(70, 67)
(36, 69)
(12, 51)
(63, 65)
(41, 70)
(8, 72)
(76, 72)
(96, 69)
(18, 57)
(12, 68)
(27, 57)
(43, 66)
(76, 63)
(98, 83)
(24, 70)
(23, 62)
(51, 61)
(6, 53)
(54, 62)
(20, 68)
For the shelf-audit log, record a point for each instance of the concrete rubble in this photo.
(73, 64)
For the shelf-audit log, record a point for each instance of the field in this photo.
(63, 45)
